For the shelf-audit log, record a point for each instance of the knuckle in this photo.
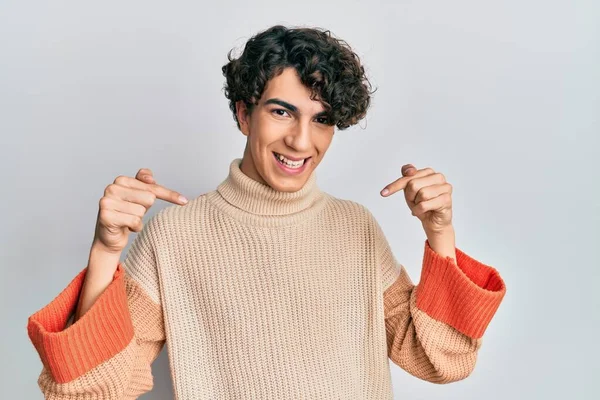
(103, 215)
(151, 197)
(140, 210)
(146, 200)
(110, 189)
(121, 179)
(104, 202)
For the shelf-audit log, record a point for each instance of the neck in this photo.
(251, 201)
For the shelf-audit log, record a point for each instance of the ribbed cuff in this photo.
(465, 296)
(99, 334)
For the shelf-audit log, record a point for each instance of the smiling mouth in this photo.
(297, 166)
(294, 161)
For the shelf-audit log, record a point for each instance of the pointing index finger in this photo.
(169, 195)
(393, 187)
(409, 172)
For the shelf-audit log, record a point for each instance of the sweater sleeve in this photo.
(107, 353)
(434, 329)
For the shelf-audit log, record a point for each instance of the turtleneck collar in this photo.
(254, 202)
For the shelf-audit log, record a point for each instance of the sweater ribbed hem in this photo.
(465, 294)
(103, 331)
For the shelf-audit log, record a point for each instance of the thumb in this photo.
(408, 170)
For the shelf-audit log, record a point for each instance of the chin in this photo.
(272, 175)
(286, 185)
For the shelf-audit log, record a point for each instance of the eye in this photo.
(277, 110)
(323, 120)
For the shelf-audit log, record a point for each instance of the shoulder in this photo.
(168, 222)
(180, 213)
(351, 209)
(347, 205)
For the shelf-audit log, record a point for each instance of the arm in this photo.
(99, 274)
(108, 351)
(434, 329)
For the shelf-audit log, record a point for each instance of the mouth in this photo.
(291, 165)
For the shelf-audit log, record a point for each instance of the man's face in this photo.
(284, 122)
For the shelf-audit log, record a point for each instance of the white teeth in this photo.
(289, 163)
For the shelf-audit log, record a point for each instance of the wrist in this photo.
(447, 231)
(98, 248)
(102, 259)
(443, 242)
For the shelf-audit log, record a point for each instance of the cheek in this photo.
(324, 143)
(259, 149)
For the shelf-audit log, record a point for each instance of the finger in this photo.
(122, 206)
(127, 181)
(408, 169)
(133, 222)
(145, 175)
(144, 197)
(436, 203)
(169, 195)
(432, 191)
(147, 179)
(414, 186)
(159, 191)
(119, 220)
(401, 183)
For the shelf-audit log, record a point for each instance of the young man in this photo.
(268, 287)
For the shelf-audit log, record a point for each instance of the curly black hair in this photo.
(325, 64)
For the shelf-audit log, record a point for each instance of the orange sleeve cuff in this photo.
(102, 332)
(464, 295)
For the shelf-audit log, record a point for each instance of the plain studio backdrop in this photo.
(502, 97)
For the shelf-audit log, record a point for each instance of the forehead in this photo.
(288, 87)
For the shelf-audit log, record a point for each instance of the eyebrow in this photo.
(291, 107)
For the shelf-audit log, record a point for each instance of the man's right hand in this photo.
(124, 204)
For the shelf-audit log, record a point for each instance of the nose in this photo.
(299, 137)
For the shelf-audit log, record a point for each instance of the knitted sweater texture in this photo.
(260, 294)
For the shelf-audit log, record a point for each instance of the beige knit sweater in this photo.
(261, 294)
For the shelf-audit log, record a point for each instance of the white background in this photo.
(503, 97)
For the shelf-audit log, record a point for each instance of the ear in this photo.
(242, 116)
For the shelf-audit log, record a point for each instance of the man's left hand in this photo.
(428, 195)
